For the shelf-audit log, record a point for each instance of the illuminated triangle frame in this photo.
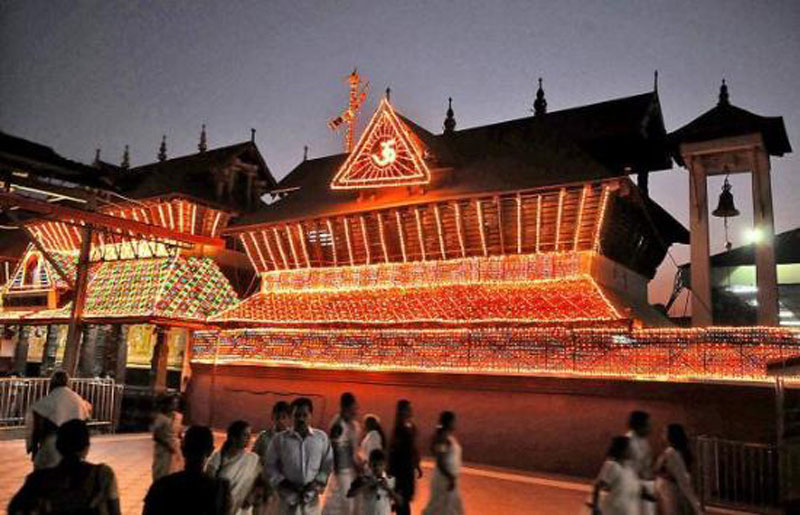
(359, 172)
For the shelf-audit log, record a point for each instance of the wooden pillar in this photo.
(87, 364)
(158, 364)
(764, 224)
(21, 350)
(72, 350)
(118, 352)
(186, 367)
(50, 350)
(701, 267)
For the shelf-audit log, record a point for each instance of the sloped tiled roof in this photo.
(726, 120)
(787, 251)
(189, 175)
(180, 288)
(560, 301)
(43, 161)
(573, 145)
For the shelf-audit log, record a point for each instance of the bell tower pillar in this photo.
(722, 156)
(727, 140)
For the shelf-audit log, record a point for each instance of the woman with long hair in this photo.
(673, 482)
(445, 496)
(238, 465)
(404, 456)
(374, 438)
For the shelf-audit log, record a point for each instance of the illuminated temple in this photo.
(500, 271)
(517, 247)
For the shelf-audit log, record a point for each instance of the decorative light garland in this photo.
(566, 300)
(715, 353)
(400, 162)
(471, 270)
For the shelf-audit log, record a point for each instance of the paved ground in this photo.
(486, 491)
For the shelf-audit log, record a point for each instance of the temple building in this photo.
(144, 292)
(500, 271)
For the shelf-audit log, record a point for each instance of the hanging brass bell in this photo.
(725, 208)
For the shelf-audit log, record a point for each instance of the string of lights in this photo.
(718, 353)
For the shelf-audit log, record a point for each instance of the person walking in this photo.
(190, 491)
(639, 429)
(445, 496)
(374, 438)
(674, 490)
(345, 436)
(619, 480)
(60, 405)
(267, 501)
(72, 486)
(167, 432)
(240, 467)
(299, 461)
(404, 456)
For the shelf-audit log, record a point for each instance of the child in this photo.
(374, 488)
(624, 490)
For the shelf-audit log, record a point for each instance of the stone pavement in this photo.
(486, 491)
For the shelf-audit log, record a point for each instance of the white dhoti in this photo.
(336, 500)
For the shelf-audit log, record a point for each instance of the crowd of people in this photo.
(293, 468)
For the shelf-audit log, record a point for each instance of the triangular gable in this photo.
(387, 154)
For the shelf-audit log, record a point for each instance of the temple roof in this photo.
(591, 142)
(191, 175)
(43, 162)
(560, 301)
(727, 120)
(787, 251)
(189, 289)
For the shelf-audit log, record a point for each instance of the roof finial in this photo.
(96, 161)
(450, 119)
(724, 98)
(126, 159)
(203, 145)
(162, 149)
(305, 152)
(252, 135)
(388, 94)
(540, 105)
(655, 81)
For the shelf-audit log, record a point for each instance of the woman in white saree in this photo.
(238, 465)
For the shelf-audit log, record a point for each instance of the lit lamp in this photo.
(726, 209)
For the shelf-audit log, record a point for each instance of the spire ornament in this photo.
(305, 152)
(724, 97)
(450, 119)
(96, 161)
(540, 105)
(162, 149)
(203, 145)
(126, 159)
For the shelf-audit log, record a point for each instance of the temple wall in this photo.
(551, 424)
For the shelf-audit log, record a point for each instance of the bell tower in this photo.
(729, 140)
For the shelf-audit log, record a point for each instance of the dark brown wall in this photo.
(552, 424)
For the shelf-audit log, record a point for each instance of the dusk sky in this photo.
(77, 75)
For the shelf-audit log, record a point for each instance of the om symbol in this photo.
(388, 153)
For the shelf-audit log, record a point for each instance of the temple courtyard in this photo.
(485, 490)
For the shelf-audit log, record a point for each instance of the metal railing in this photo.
(17, 395)
(738, 474)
